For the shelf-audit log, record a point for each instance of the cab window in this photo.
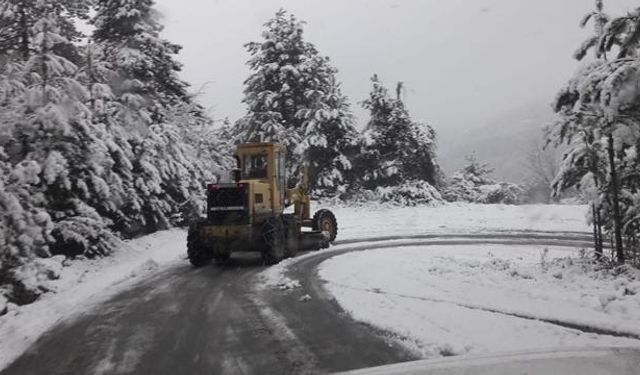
(255, 166)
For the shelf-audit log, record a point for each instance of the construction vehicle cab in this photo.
(248, 214)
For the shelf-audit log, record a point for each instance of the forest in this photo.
(101, 140)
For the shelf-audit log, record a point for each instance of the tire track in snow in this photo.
(515, 235)
(302, 359)
(571, 325)
(305, 268)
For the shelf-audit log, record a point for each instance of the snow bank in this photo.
(451, 300)
(379, 220)
(375, 220)
(82, 284)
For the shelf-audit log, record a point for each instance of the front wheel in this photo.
(197, 251)
(325, 221)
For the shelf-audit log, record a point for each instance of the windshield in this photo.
(255, 166)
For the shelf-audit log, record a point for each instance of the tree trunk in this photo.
(24, 32)
(45, 70)
(617, 227)
(92, 78)
(596, 239)
(600, 238)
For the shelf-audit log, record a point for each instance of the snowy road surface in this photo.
(241, 317)
(212, 320)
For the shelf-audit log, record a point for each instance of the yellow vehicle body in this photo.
(248, 214)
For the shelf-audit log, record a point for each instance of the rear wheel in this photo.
(197, 251)
(292, 235)
(273, 237)
(325, 221)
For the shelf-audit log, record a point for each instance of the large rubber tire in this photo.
(325, 221)
(292, 235)
(273, 239)
(197, 251)
(221, 256)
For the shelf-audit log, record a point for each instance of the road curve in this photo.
(214, 320)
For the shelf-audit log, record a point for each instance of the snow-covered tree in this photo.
(396, 149)
(83, 159)
(473, 184)
(17, 18)
(56, 136)
(293, 97)
(599, 119)
(542, 164)
(599, 19)
(53, 170)
(169, 166)
(329, 139)
(129, 31)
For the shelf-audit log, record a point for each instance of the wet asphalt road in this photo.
(213, 320)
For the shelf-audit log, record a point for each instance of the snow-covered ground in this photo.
(451, 300)
(382, 220)
(84, 284)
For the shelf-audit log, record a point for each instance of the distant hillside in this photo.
(504, 142)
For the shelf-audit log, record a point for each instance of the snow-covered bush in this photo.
(472, 184)
(84, 232)
(503, 192)
(31, 279)
(410, 193)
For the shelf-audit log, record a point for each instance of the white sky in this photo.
(463, 61)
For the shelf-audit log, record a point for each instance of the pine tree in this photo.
(599, 117)
(396, 149)
(82, 156)
(58, 137)
(17, 18)
(293, 98)
(114, 123)
(329, 137)
(51, 167)
(130, 33)
(600, 20)
(169, 164)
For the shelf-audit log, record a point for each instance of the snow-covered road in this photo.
(294, 312)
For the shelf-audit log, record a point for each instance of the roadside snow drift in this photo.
(452, 300)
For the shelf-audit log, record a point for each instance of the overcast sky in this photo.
(463, 61)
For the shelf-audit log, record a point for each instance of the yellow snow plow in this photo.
(248, 214)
